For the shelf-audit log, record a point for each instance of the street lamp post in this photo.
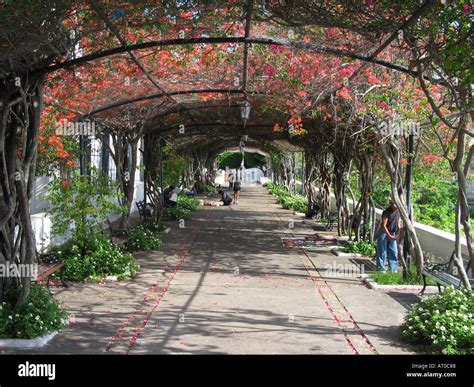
(245, 111)
(408, 186)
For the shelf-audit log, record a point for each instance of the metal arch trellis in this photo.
(246, 40)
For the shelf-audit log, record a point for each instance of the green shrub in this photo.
(153, 227)
(176, 213)
(188, 203)
(288, 200)
(443, 323)
(39, 316)
(392, 278)
(98, 259)
(81, 202)
(362, 247)
(209, 189)
(295, 202)
(142, 239)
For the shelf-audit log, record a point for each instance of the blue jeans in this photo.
(386, 249)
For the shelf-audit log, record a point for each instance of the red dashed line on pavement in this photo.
(331, 310)
(182, 254)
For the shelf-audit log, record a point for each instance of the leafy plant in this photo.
(362, 247)
(153, 227)
(443, 323)
(188, 203)
(287, 199)
(173, 166)
(142, 239)
(295, 202)
(81, 202)
(392, 278)
(176, 213)
(39, 316)
(96, 259)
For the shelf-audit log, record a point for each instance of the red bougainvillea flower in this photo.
(344, 93)
(269, 70)
(370, 3)
(403, 161)
(466, 9)
(65, 184)
(383, 105)
(430, 159)
(70, 163)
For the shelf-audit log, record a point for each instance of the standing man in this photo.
(237, 186)
(387, 239)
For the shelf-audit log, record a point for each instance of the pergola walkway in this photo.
(225, 284)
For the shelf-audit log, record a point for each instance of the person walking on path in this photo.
(237, 186)
(387, 239)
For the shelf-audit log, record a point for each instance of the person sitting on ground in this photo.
(226, 198)
(313, 211)
(389, 232)
(169, 199)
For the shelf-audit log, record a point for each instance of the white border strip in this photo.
(28, 343)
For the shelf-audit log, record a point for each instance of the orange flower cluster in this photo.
(277, 128)
(296, 126)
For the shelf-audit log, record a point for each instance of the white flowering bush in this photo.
(37, 317)
(443, 323)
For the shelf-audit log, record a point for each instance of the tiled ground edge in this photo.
(28, 343)
(365, 278)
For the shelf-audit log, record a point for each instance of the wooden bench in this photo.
(145, 213)
(116, 231)
(332, 218)
(49, 264)
(440, 273)
(45, 272)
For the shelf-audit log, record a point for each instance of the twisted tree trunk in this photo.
(324, 185)
(391, 156)
(20, 110)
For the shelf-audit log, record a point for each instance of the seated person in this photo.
(190, 193)
(313, 210)
(170, 200)
(226, 198)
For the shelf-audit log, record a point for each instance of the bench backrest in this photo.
(140, 207)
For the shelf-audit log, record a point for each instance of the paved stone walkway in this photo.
(225, 284)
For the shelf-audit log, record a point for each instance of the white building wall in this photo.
(38, 206)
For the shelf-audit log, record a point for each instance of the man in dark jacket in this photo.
(167, 196)
(387, 238)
